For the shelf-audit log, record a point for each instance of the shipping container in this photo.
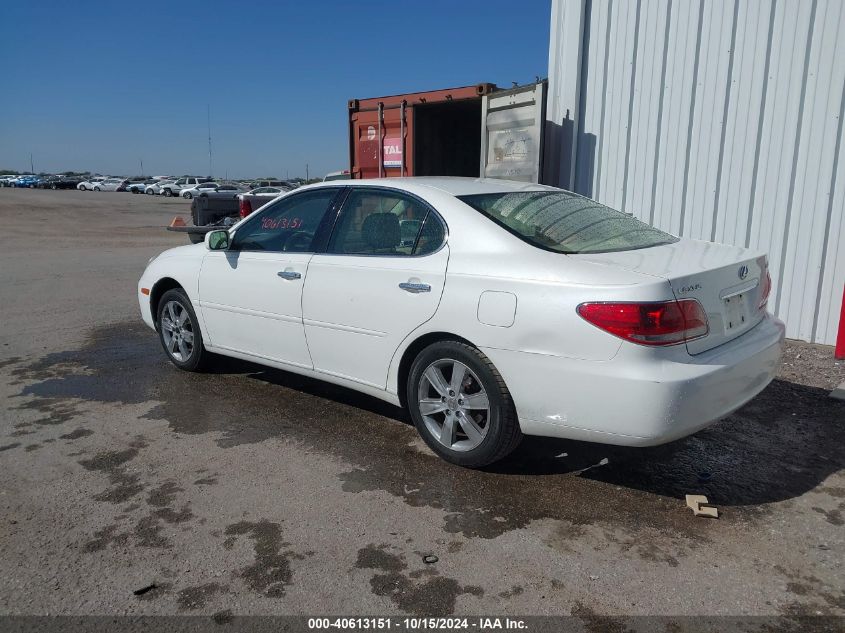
(469, 131)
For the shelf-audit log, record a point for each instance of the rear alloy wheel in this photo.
(167, 193)
(53, 187)
(187, 195)
(461, 406)
(97, 189)
(178, 331)
(149, 192)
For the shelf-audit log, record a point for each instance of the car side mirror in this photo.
(217, 240)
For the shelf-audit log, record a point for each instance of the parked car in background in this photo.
(109, 184)
(6, 180)
(59, 182)
(26, 181)
(338, 175)
(136, 186)
(190, 192)
(154, 188)
(223, 190)
(257, 198)
(186, 182)
(46, 181)
(573, 321)
(255, 184)
(268, 192)
(69, 182)
(89, 183)
(214, 190)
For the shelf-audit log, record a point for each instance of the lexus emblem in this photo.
(743, 271)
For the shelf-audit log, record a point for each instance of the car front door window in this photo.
(288, 226)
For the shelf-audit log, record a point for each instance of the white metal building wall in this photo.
(717, 120)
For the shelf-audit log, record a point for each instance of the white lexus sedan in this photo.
(489, 309)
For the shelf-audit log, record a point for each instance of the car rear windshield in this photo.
(565, 222)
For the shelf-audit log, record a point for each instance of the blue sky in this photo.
(101, 85)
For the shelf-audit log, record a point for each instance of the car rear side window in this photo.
(376, 222)
(286, 226)
(565, 222)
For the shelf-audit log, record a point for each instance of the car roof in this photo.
(454, 185)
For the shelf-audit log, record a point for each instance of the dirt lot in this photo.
(254, 491)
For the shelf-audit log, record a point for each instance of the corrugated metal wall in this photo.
(717, 120)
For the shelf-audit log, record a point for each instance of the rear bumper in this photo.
(639, 398)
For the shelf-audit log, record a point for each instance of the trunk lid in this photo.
(728, 281)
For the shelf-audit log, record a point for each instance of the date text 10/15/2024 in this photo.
(417, 624)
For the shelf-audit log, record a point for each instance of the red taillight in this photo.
(660, 323)
(244, 208)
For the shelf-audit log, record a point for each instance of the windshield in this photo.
(565, 222)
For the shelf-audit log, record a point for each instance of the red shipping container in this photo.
(434, 133)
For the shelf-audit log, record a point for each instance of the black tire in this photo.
(32, 186)
(53, 187)
(149, 192)
(503, 434)
(187, 195)
(96, 189)
(198, 358)
(167, 193)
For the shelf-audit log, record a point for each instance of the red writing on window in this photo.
(281, 223)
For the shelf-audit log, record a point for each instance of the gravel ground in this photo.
(252, 491)
(812, 365)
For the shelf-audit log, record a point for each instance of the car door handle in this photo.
(289, 274)
(415, 288)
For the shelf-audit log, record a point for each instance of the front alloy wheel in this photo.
(179, 331)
